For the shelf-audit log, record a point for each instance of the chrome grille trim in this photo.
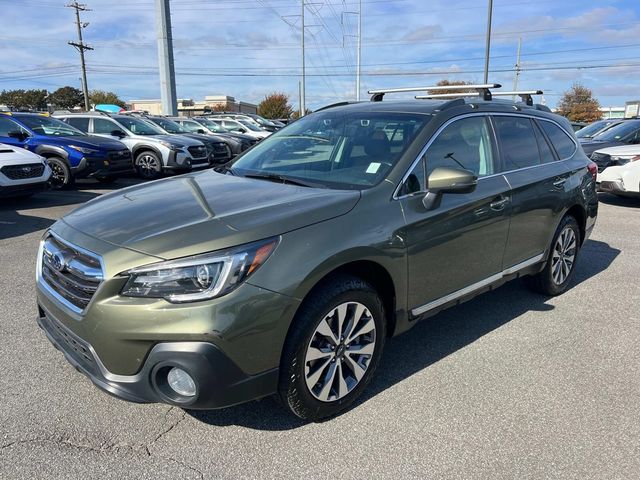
(71, 274)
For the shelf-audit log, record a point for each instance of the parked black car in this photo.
(626, 133)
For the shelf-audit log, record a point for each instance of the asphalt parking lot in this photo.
(509, 385)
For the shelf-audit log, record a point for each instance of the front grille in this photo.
(220, 152)
(72, 274)
(198, 152)
(21, 172)
(120, 156)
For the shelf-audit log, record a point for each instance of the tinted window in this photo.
(7, 126)
(465, 143)
(103, 126)
(619, 132)
(518, 144)
(79, 123)
(416, 181)
(545, 150)
(563, 145)
(48, 126)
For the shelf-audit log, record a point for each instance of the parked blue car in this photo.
(70, 153)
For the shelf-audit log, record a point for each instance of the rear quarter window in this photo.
(561, 142)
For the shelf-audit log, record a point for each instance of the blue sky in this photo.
(248, 48)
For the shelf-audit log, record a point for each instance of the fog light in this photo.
(181, 382)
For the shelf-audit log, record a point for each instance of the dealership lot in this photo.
(509, 385)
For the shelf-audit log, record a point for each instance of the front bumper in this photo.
(219, 381)
(111, 165)
(22, 189)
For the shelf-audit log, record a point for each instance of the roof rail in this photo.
(525, 95)
(481, 89)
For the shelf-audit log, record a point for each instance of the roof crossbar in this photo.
(481, 89)
(525, 95)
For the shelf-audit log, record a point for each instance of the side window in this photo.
(103, 126)
(7, 126)
(561, 142)
(465, 143)
(546, 154)
(80, 123)
(518, 144)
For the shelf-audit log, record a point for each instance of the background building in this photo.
(188, 107)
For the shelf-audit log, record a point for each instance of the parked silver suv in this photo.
(153, 150)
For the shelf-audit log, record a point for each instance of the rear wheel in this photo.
(558, 271)
(148, 165)
(333, 348)
(61, 177)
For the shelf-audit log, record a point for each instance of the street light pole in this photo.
(302, 83)
(359, 51)
(488, 45)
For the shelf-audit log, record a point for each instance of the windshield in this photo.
(48, 126)
(169, 125)
(250, 125)
(595, 127)
(213, 126)
(618, 132)
(335, 149)
(139, 127)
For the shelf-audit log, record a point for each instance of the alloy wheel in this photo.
(340, 351)
(58, 174)
(148, 165)
(563, 256)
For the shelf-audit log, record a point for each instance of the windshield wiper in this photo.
(274, 177)
(312, 137)
(223, 169)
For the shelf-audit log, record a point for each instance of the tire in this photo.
(565, 247)
(148, 165)
(61, 177)
(106, 180)
(304, 388)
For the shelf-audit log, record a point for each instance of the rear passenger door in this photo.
(538, 185)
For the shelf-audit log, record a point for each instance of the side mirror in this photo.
(448, 180)
(200, 130)
(18, 135)
(118, 133)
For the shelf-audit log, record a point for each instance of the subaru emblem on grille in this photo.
(26, 169)
(58, 262)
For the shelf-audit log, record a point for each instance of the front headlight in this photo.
(83, 149)
(171, 146)
(200, 277)
(621, 160)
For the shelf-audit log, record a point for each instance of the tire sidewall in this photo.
(294, 391)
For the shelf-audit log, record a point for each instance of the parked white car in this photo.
(621, 175)
(22, 173)
(241, 126)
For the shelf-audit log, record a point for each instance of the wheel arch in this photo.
(48, 151)
(578, 212)
(137, 150)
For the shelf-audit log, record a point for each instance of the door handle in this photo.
(499, 204)
(560, 183)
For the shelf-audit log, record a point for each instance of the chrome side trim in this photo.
(476, 286)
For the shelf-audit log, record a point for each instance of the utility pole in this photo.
(359, 51)
(165, 58)
(517, 75)
(488, 45)
(81, 47)
(304, 73)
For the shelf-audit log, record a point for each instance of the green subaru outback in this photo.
(285, 272)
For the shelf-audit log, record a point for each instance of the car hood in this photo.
(205, 211)
(88, 141)
(621, 150)
(238, 136)
(10, 155)
(181, 139)
(592, 146)
(203, 137)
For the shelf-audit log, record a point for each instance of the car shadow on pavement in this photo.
(430, 341)
(633, 202)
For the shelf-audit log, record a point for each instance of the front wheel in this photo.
(333, 348)
(148, 165)
(61, 177)
(558, 271)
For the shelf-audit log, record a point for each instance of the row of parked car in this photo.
(39, 150)
(614, 146)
